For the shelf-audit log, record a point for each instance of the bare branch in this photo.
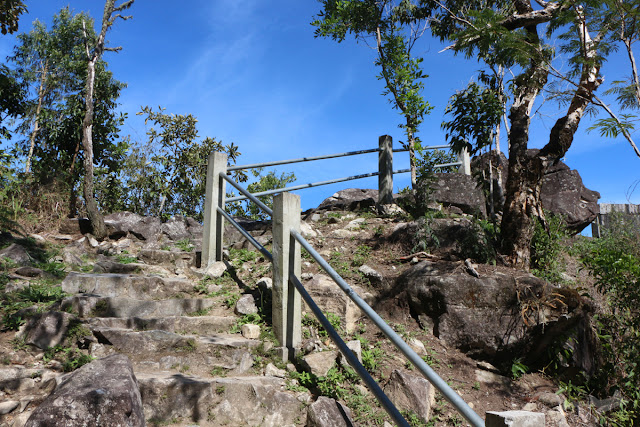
(626, 134)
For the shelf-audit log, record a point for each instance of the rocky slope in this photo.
(199, 342)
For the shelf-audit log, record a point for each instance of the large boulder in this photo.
(102, 393)
(452, 189)
(16, 254)
(563, 192)
(501, 315)
(122, 224)
(351, 199)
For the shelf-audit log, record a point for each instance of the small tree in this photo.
(94, 51)
(395, 27)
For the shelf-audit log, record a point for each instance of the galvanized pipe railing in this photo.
(351, 358)
(449, 394)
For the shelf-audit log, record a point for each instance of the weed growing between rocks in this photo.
(547, 249)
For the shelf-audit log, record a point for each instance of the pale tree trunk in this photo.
(95, 217)
(36, 121)
(526, 170)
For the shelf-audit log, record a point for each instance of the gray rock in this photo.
(411, 393)
(331, 298)
(563, 193)
(46, 330)
(246, 305)
(326, 412)
(500, 315)
(453, 189)
(356, 348)
(103, 392)
(372, 275)
(351, 199)
(319, 363)
(29, 271)
(514, 418)
(251, 331)
(8, 406)
(16, 253)
(175, 228)
(122, 224)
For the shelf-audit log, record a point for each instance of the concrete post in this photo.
(286, 301)
(514, 419)
(385, 169)
(465, 167)
(213, 221)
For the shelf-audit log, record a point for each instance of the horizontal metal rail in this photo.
(303, 186)
(326, 156)
(248, 195)
(351, 358)
(449, 394)
(303, 159)
(246, 234)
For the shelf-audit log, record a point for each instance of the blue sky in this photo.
(253, 74)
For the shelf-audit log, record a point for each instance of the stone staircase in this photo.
(189, 367)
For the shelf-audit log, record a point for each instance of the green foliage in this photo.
(394, 27)
(480, 242)
(166, 175)
(124, 259)
(185, 245)
(52, 67)
(270, 181)
(547, 249)
(518, 368)
(614, 262)
(71, 358)
(10, 11)
(476, 112)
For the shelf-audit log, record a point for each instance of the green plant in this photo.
(361, 255)
(185, 245)
(518, 368)
(218, 371)
(124, 259)
(71, 358)
(546, 249)
(480, 241)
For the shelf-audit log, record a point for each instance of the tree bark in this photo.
(36, 121)
(526, 169)
(95, 217)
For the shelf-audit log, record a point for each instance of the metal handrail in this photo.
(449, 394)
(351, 358)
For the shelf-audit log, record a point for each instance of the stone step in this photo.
(251, 400)
(86, 306)
(174, 258)
(201, 325)
(161, 350)
(127, 286)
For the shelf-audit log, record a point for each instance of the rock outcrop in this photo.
(101, 393)
(500, 315)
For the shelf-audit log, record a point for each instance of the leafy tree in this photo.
(11, 99)
(511, 34)
(270, 181)
(10, 11)
(94, 50)
(51, 67)
(166, 175)
(395, 26)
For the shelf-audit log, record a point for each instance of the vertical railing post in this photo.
(213, 221)
(385, 170)
(286, 301)
(465, 167)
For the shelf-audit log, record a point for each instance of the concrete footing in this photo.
(514, 419)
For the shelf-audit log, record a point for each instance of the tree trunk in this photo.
(526, 169)
(95, 217)
(36, 121)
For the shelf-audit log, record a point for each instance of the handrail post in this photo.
(465, 167)
(286, 302)
(385, 169)
(214, 197)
